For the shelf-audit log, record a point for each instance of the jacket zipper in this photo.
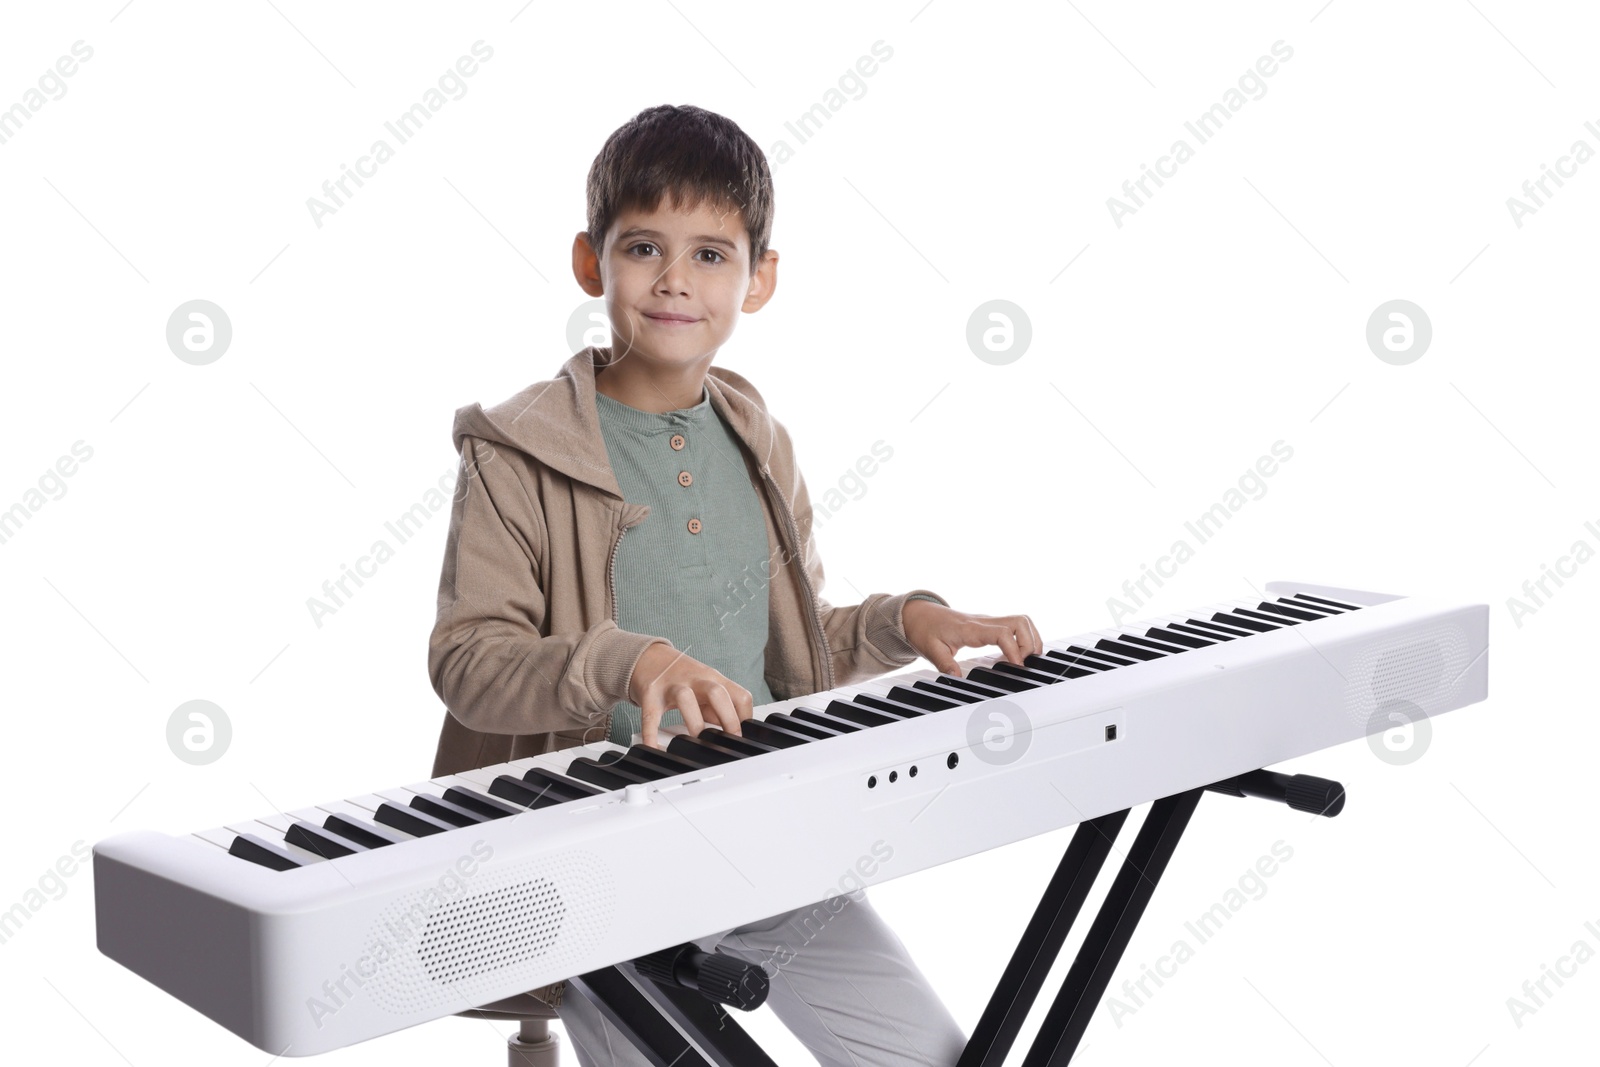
(805, 580)
(611, 580)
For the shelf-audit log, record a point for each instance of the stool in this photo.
(533, 1045)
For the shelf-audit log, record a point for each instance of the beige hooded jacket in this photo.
(526, 653)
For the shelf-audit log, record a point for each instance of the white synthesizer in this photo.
(310, 930)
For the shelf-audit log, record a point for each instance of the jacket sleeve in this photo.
(866, 639)
(488, 657)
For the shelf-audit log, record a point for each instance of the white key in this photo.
(478, 778)
(400, 797)
(369, 801)
(343, 807)
(485, 775)
(517, 768)
(456, 781)
(277, 820)
(219, 836)
(557, 762)
(315, 816)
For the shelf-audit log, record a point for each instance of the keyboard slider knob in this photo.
(713, 975)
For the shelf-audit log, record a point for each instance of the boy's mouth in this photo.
(667, 318)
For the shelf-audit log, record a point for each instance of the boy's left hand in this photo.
(938, 633)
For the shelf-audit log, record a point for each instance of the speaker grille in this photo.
(1419, 670)
(488, 930)
(453, 950)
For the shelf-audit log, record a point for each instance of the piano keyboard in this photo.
(286, 841)
(572, 847)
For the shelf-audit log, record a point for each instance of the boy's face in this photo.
(674, 281)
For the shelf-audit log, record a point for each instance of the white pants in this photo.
(841, 981)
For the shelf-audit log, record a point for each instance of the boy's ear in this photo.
(586, 265)
(762, 283)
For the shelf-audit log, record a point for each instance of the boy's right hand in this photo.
(666, 678)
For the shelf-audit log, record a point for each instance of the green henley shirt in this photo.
(693, 571)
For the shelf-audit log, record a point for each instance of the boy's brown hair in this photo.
(688, 152)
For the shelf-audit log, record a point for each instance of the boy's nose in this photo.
(674, 277)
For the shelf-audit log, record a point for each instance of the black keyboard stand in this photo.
(667, 1022)
(1113, 926)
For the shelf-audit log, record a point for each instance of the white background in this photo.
(1228, 313)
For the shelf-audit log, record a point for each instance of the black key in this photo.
(968, 685)
(644, 771)
(925, 701)
(363, 832)
(888, 707)
(1213, 635)
(843, 709)
(256, 850)
(942, 691)
(769, 734)
(1294, 613)
(409, 820)
(1239, 621)
(1173, 637)
(1230, 631)
(576, 789)
(1261, 616)
(1027, 674)
(803, 732)
(1060, 668)
(1075, 667)
(1321, 611)
(832, 722)
(441, 808)
(1160, 646)
(703, 753)
(815, 731)
(528, 794)
(1001, 681)
(645, 755)
(605, 775)
(1330, 603)
(473, 801)
(1122, 649)
(323, 842)
(615, 760)
(741, 744)
(1074, 654)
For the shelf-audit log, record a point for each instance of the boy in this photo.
(642, 505)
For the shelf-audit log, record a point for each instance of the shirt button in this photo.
(685, 478)
(694, 525)
(676, 441)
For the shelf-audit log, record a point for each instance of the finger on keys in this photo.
(722, 706)
(1022, 639)
(944, 660)
(650, 712)
(688, 705)
(1003, 634)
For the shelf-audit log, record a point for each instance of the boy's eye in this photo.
(634, 249)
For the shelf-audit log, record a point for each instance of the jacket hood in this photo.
(555, 421)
